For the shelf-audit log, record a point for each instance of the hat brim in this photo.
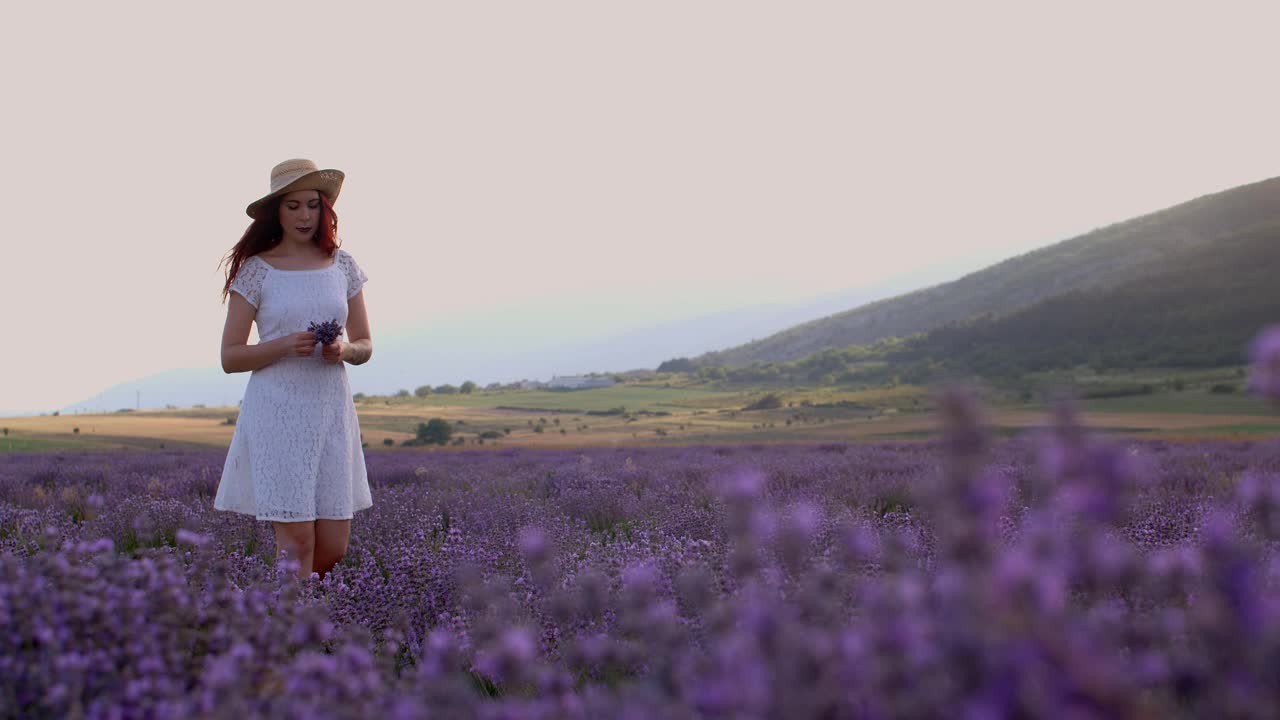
(328, 182)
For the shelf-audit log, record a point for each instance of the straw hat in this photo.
(298, 174)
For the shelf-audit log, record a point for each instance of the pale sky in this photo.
(617, 163)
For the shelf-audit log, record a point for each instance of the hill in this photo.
(1197, 307)
(1109, 257)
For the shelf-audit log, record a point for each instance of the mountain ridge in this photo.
(1101, 258)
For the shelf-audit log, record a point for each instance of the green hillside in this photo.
(1197, 307)
(1114, 256)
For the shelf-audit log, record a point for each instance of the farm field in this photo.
(1093, 578)
(1184, 402)
(654, 416)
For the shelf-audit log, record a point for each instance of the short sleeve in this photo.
(355, 276)
(248, 281)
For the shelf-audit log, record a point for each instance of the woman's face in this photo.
(300, 215)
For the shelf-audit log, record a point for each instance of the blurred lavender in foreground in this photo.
(326, 332)
(1059, 575)
(1264, 372)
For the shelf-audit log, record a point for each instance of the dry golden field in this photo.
(386, 425)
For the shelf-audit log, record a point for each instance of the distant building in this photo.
(579, 382)
(530, 384)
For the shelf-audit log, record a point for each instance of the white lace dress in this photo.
(295, 454)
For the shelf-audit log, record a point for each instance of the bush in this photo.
(446, 389)
(388, 442)
(435, 431)
(467, 387)
(768, 402)
(1223, 388)
(422, 391)
(678, 365)
(402, 393)
(490, 434)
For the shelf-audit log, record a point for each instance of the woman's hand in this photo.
(334, 351)
(299, 344)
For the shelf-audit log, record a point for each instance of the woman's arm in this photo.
(359, 348)
(237, 356)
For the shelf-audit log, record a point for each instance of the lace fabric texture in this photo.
(295, 454)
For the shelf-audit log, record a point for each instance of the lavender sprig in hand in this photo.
(326, 332)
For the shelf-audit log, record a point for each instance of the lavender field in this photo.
(1056, 575)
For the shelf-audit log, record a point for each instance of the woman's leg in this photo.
(298, 541)
(331, 543)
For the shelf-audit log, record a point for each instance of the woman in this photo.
(296, 456)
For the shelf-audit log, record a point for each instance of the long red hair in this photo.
(265, 233)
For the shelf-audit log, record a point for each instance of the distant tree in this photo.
(435, 431)
(446, 389)
(6, 432)
(467, 387)
(358, 397)
(713, 373)
(55, 413)
(388, 442)
(678, 365)
(768, 402)
(402, 393)
(75, 431)
(422, 391)
(537, 428)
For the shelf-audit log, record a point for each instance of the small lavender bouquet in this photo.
(326, 332)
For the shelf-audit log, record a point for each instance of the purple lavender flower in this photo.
(1112, 598)
(1264, 373)
(326, 332)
